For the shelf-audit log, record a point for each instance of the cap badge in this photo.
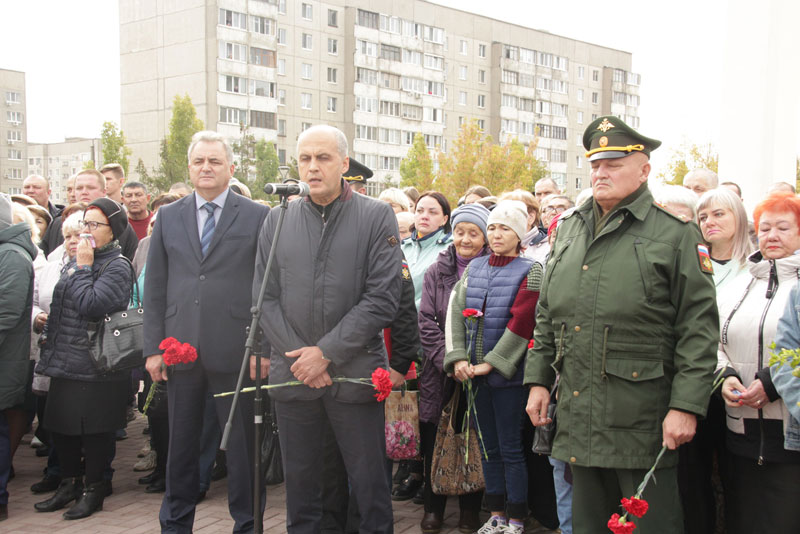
(605, 126)
(603, 141)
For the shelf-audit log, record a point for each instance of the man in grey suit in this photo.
(199, 269)
(334, 285)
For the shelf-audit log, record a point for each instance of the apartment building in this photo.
(381, 70)
(58, 161)
(13, 131)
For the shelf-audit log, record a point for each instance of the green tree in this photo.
(510, 166)
(243, 152)
(266, 164)
(182, 126)
(141, 170)
(416, 169)
(88, 165)
(688, 157)
(459, 168)
(114, 148)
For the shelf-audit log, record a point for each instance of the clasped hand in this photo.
(311, 368)
(464, 370)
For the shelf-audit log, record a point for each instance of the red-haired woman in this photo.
(762, 490)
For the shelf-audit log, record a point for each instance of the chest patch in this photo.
(705, 259)
(392, 240)
(404, 272)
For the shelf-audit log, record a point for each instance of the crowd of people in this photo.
(639, 319)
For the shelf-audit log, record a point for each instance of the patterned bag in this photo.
(402, 425)
(451, 474)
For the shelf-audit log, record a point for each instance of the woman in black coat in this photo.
(85, 408)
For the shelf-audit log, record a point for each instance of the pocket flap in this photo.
(635, 370)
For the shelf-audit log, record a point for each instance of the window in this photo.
(281, 97)
(579, 162)
(632, 100)
(262, 119)
(332, 104)
(618, 98)
(14, 154)
(432, 141)
(262, 56)
(414, 85)
(305, 100)
(481, 50)
(413, 113)
(509, 101)
(367, 48)
(282, 11)
(579, 118)
(481, 101)
(392, 53)
(233, 84)
(594, 98)
(552, 132)
(369, 105)
(369, 133)
(511, 77)
(527, 56)
(558, 155)
(390, 108)
(232, 115)
(14, 174)
(578, 183)
(560, 63)
(595, 75)
(333, 47)
(511, 52)
(261, 88)
(282, 151)
(390, 81)
(12, 97)
(432, 114)
(508, 126)
(333, 18)
(281, 127)
(281, 67)
(633, 79)
(526, 104)
(433, 34)
(560, 86)
(434, 62)
(307, 41)
(233, 51)
(306, 71)
(263, 25)
(390, 24)
(387, 135)
(388, 163)
(307, 11)
(332, 75)
(481, 76)
(14, 117)
(463, 47)
(579, 140)
(367, 18)
(462, 98)
(366, 76)
(304, 126)
(434, 88)
(580, 95)
(542, 154)
(411, 29)
(481, 124)
(618, 76)
(410, 56)
(526, 80)
(581, 72)
(462, 72)
(544, 59)
(233, 19)
(594, 116)
(281, 36)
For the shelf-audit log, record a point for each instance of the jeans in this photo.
(563, 494)
(500, 412)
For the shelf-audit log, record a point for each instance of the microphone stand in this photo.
(253, 347)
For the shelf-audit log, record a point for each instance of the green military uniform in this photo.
(628, 317)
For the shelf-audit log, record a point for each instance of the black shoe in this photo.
(159, 485)
(407, 489)
(121, 435)
(149, 479)
(146, 430)
(201, 497)
(219, 472)
(402, 472)
(69, 490)
(419, 496)
(3, 512)
(43, 451)
(90, 501)
(108, 488)
(46, 485)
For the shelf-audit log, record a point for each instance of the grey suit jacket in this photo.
(196, 300)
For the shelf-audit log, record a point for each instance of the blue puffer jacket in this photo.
(77, 299)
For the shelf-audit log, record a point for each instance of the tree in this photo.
(114, 148)
(687, 158)
(416, 169)
(141, 170)
(511, 166)
(182, 126)
(266, 163)
(459, 169)
(88, 165)
(243, 151)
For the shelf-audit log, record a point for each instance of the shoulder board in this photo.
(567, 214)
(663, 209)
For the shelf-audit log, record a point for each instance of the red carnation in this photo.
(530, 344)
(167, 343)
(471, 312)
(619, 525)
(637, 507)
(177, 352)
(382, 382)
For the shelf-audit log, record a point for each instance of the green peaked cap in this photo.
(608, 137)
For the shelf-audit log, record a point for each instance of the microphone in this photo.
(288, 189)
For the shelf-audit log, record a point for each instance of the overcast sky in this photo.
(70, 53)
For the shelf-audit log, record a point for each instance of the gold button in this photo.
(635, 374)
(573, 459)
(585, 267)
(576, 393)
(577, 328)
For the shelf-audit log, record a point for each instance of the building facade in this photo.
(380, 70)
(13, 131)
(58, 161)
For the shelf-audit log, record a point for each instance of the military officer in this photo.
(627, 316)
(357, 176)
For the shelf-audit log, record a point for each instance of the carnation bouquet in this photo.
(174, 352)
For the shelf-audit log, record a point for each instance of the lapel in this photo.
(189, 216)
(229, 214)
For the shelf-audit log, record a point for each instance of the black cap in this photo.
(358, 172)
(609, 137)
(115, 213)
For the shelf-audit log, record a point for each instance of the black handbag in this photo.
(116, 341)
(271, 458)
(543, 435)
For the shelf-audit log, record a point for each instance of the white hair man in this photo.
(700, 181)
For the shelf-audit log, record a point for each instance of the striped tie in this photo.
(208, 228)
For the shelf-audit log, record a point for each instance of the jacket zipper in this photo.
(606, 329)
(642, 261)
(772, 288)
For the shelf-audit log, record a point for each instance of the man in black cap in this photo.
(632, 328)
(357, 176)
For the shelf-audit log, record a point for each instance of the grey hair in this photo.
(209, 136)
(726, 199)
(708, 175)
(341, 140)
(73, 222)
(394, 195)
(546, 180)
(676, 194)
(22, 213)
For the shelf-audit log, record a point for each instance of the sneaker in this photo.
(495, 525)
(148, 463)
(144, 450)
(514, 529)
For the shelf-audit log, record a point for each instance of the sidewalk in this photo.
(130, 510)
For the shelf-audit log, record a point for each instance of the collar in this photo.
(440, 235)
(345, 195)
(637, 203)
(199, 201)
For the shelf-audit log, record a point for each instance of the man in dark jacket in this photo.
(334, 285)
(16, 298)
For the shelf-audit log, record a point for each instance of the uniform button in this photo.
(202, 277)
(573, 459)
(197, 301)
(585, 267)
(576, 393)
(635, 374)
(577, 328)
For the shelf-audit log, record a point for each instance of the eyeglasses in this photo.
(92, 225)
(557, 209)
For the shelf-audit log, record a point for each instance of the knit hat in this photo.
(6, 218)
(471, 213)
(511, 213)
(114, 212)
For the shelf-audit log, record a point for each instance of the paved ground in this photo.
(129, 510)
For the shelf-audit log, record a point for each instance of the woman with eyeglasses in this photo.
(85, 408)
